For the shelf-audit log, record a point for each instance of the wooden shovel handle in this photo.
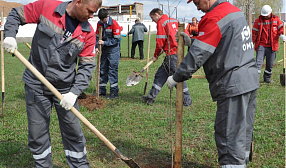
(148, 64)
(28, 45)
(145, 67)
(60, 97)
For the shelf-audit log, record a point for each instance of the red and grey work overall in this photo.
(165, 40)
(225, 50)
(56, 59)
(265, 35)
(110, 55)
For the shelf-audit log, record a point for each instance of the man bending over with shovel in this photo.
(165, 42)
(62, 37)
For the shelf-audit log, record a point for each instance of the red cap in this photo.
(189, 1)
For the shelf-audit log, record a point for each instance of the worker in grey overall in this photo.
(225, 50)
(62, 39)
(138, 37)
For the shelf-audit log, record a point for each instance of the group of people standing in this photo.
(63, 52)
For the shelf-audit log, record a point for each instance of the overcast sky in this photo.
(184, 10)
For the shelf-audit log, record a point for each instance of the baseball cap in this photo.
(189, 1)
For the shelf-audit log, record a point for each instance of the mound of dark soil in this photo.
(92, 103)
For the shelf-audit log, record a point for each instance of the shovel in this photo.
(136, 77)
(128, 161)
(282, 76)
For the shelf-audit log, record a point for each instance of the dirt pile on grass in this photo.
(92, 103)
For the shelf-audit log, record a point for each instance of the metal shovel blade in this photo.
(133, 79)
(131, 163)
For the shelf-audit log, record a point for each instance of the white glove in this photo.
(283, 37)
(171, 83)
(1, 27)
(68, 101)
(10, 44)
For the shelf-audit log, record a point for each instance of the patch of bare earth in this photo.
(91, 102)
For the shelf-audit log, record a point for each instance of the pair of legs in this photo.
(140, 45)
(234, 129)
(39, 108)
(261, 54)
(109, 72)
(167, 68)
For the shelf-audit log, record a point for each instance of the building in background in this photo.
(123, 13)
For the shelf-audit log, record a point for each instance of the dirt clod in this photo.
(92, 103)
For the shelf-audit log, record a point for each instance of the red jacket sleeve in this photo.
(33, 11)
(255, 30)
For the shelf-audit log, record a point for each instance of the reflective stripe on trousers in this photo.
(109, 70)
(261, 54)
(38, 108)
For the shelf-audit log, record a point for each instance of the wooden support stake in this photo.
(179, 103)
(98, 63)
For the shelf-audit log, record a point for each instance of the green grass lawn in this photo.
(140, 131)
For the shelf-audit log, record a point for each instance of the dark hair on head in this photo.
(156, 10)
(102, 13)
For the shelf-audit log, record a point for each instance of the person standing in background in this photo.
(138, 37)
(193, 28)
(110, 53)
(265, 34)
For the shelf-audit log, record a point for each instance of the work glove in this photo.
(171, 82)
(10, 44)
(68, 100)
(283, 37)
(187, 39)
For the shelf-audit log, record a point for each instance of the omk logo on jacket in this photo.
(245, 34)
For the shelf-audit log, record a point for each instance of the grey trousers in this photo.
(265, 52)
(234, 129)
(39, 108)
